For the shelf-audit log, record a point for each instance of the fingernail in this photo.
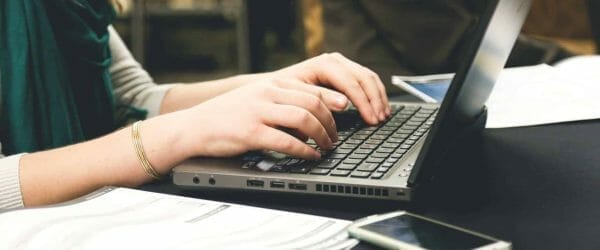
(374, 119)
(388, 111)
(381, 116)
(316, 155)
(341, 100)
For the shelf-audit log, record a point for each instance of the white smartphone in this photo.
(402, 230)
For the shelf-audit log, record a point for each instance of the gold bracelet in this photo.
(139, 150)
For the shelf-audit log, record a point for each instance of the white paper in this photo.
(133, 219)
(542, 94)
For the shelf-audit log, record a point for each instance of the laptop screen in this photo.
(463, 104)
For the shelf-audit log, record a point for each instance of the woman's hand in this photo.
(255, 116)
(361, 85)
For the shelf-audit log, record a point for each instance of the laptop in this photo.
(390, 160)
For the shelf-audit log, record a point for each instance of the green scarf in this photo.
(55, 83)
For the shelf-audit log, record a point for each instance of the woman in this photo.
(66, 75)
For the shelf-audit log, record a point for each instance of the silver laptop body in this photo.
(492, 42)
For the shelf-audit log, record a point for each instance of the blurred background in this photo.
(194, 40)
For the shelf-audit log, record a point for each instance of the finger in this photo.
(310, 102)
(334, 100)
(300, 119)
(340, 78)
(370, 82)
(277, 140)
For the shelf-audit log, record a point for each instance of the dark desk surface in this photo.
(544, 190)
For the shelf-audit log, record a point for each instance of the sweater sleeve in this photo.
(132, 85)
(10, 188)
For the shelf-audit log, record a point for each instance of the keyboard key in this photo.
(373, 142)
(352, 141)
(363, 151)
(344, 166)
(336, 156)
(382, 169)
(339, 172)
(377, 175)
(374, 160)
(389, 145)
(367, 146)
(360, 174)
(319, 171)
(328, 163)
(368, 167)
(348, 146)
(358, 156)
(342, 151)
(352, 161)
(387, 164)
(384, 150)
(380, 155)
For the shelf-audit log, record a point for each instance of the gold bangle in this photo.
(139, 150)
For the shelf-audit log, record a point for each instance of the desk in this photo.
(544, 186)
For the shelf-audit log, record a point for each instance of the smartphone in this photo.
(402, 230)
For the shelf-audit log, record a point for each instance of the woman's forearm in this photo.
(188, 95)
(65, 173)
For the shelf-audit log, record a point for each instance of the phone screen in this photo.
(425, 234)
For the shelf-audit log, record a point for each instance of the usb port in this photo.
(278, 184)
(255, 183)
(297, 186)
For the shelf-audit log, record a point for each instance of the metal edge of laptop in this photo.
(226, 173)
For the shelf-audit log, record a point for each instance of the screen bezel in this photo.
(356, 230)
(472, 83)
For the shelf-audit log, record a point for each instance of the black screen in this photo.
(425, 234)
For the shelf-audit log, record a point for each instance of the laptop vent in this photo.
(342, 189)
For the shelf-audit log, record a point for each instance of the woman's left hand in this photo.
(361, 85)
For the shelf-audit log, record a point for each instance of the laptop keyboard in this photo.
(361, 151)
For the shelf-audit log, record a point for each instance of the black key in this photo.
(360, 174)
(369, 167)
(377, 175)
(358, 156)
(328, 163)
(374, 160)
(339, 172)
(344, 166)
(320, 171)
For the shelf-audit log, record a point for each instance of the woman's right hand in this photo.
(254, 117)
